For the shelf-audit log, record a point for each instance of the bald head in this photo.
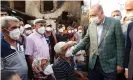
(129, 6)
(95, 9)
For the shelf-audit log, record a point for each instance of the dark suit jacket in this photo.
(129, 53)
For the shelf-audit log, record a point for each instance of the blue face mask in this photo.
(117, 17)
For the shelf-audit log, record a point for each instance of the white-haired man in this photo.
(36, 44)
(12, 54)
(27, 30)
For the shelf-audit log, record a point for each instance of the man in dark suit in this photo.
(106, 45)
(129, 42)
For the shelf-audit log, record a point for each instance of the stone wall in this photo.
(33, 8)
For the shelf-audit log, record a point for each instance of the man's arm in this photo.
(29, 49)
(82, 43)
(120, 44)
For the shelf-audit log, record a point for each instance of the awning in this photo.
(19, 13)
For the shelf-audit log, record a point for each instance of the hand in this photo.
(126, 74)
(69, 52)
(119, 69)
(71, 43)
(36, 69)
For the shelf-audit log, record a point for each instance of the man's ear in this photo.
(34, 26)
(4, 30)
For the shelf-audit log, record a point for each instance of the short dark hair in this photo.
(7, 75)
(117, 11)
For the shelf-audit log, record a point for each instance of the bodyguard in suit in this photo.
(129, 41)
(106, 45)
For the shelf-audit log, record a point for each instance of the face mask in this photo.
(41, 30)
(130, 16)
(28, 32)
(21, 29)
(61, 30)
(79, 31)
(117, 17)
(34, 30)
(69, 31)
(80, 58)
(72, 31)
(94, 20)
(75, 30)
(48, 70)
(14, 34)
(48, 29)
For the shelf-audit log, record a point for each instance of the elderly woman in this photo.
(42, 69)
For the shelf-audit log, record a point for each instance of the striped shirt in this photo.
(63, 70)
(13, 59)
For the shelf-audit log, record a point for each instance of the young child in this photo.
(64, 67)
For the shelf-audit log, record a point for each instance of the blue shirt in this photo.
(13, 59)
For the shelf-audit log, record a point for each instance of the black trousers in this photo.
(98, 74)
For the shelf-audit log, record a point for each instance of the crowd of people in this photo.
(101, 50)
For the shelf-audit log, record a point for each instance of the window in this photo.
(19, 5)
(48, 5)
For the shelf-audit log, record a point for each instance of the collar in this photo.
(39, 35)
(103, 20)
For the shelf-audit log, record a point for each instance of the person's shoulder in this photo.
(130, 25)
(31, 36)
(60, 63)
(111, 20)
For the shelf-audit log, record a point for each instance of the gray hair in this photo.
(4, 21)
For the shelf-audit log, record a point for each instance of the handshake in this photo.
(69, 47)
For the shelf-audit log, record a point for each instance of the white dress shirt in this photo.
(99, 30)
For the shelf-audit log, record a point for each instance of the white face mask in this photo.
(79, 58)
(21, 29)
(15, 34)
(28, 32)
(130, 16)
(94, 20)
(48, 70)
(72, 31)
(34, 30)
(61, 30)
(48, 29)
(41, 30)
(117, 17)
(75, 30)
(69, 31)
(79, 31)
